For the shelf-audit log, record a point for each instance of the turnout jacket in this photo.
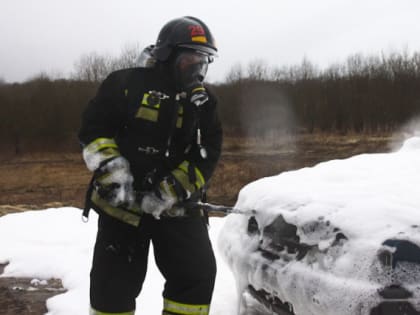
(153, 126)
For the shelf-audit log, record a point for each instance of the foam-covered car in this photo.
(340, 238)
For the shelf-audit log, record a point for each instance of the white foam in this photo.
(369, 198)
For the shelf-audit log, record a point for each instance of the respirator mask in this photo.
(190, 69)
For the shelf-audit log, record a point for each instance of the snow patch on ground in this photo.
(55, 243)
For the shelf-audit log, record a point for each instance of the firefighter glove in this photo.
(114, 182)
(184, 181)
(156, 202)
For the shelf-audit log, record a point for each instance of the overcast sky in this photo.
(50, 35)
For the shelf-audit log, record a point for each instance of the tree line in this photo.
(364, 94)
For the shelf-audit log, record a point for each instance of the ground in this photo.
(21, 296)
(42, 180)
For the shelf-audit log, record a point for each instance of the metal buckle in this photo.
(159, 95)
(148, 150)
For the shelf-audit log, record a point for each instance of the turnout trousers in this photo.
(183, 254)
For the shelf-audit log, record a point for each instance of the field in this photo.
(42, 180)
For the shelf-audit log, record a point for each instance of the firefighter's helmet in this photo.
(184, 32)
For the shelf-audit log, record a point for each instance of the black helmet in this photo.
(186, 32)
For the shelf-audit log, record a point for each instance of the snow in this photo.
(55, 243)
(369, 198)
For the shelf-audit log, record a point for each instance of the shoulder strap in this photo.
(88, 202)
(172, 126)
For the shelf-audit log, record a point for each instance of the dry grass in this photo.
(36, 180)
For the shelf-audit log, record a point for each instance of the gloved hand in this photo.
(158, 201)
(180, 185)
(114, 182)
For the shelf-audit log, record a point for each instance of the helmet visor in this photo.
(210, 52)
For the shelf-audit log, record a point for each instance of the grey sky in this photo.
(50, 35)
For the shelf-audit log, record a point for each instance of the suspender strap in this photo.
(88, 202)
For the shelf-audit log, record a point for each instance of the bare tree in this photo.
(307, 70)
(235, 74)
(128, 57)
(258, 70)
(280, 74)
(93, 67)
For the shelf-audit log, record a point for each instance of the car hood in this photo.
(346, 215)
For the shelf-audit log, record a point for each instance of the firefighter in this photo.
(152, 138)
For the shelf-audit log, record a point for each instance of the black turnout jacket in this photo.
(154, 131)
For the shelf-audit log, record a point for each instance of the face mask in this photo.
(190, 69)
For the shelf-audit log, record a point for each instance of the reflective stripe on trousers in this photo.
(95, 312)
(172, 307)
